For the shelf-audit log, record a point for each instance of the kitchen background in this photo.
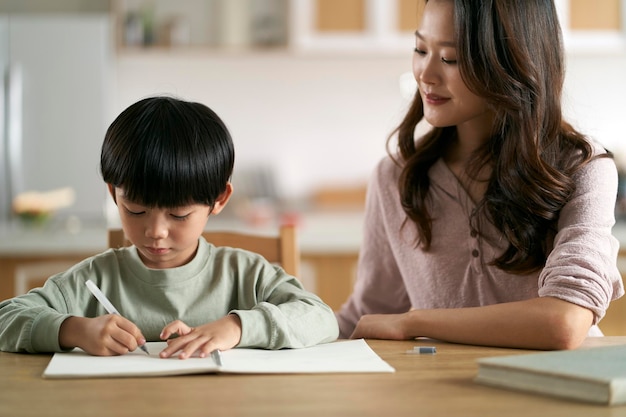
(310, 90)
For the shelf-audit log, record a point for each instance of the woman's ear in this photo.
(112, 192)
(222, 200)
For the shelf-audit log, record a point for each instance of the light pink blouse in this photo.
(394, 275)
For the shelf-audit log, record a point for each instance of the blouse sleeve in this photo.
(582, 266)
(379, 288)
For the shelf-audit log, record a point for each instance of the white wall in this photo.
(324, 119)
(595, 98)
(316, 120)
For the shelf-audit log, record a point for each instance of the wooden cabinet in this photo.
(595, 15)
(614, 322)
(385, 26)
(330, 275)
(388, 25)
(369, 25)
(347, 26)
(30, 255)
(593, 26)
(340, 16)
(20, 273)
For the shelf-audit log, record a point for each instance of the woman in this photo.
(494, 228)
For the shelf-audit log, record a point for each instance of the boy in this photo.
(167, 164)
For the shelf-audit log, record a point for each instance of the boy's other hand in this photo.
(106, 335)
(222, 334)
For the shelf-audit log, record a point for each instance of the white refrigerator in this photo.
(56, 79)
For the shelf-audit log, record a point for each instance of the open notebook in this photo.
(336, 357)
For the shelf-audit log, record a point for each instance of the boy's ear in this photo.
(112, 192)
(222, 200)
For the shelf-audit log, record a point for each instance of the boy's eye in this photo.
(178, 217)
(134, 213)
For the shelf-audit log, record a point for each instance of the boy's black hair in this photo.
(165, 152)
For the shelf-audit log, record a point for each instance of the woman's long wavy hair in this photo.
(510, 53)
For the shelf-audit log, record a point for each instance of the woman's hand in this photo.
(381, 326)
(222, 334)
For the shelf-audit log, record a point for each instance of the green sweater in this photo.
(275, 311)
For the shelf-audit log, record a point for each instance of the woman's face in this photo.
(447, 100)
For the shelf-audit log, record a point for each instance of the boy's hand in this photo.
(222, 334)
(106, 335)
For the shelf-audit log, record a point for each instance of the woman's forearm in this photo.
(540, 323)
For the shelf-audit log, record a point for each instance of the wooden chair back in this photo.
(282, 249)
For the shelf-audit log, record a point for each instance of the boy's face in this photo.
(165, 238)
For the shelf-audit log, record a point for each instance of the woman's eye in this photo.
(419, 51)
(448, 61)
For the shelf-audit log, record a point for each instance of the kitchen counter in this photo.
(19, 240)
(319, 232)
(329, 244)
(337, 232)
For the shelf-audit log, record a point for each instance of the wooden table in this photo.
(423, 385)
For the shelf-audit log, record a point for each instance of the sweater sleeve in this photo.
(379, 287)
(284, 314)
(31, 322)
(582, 266)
